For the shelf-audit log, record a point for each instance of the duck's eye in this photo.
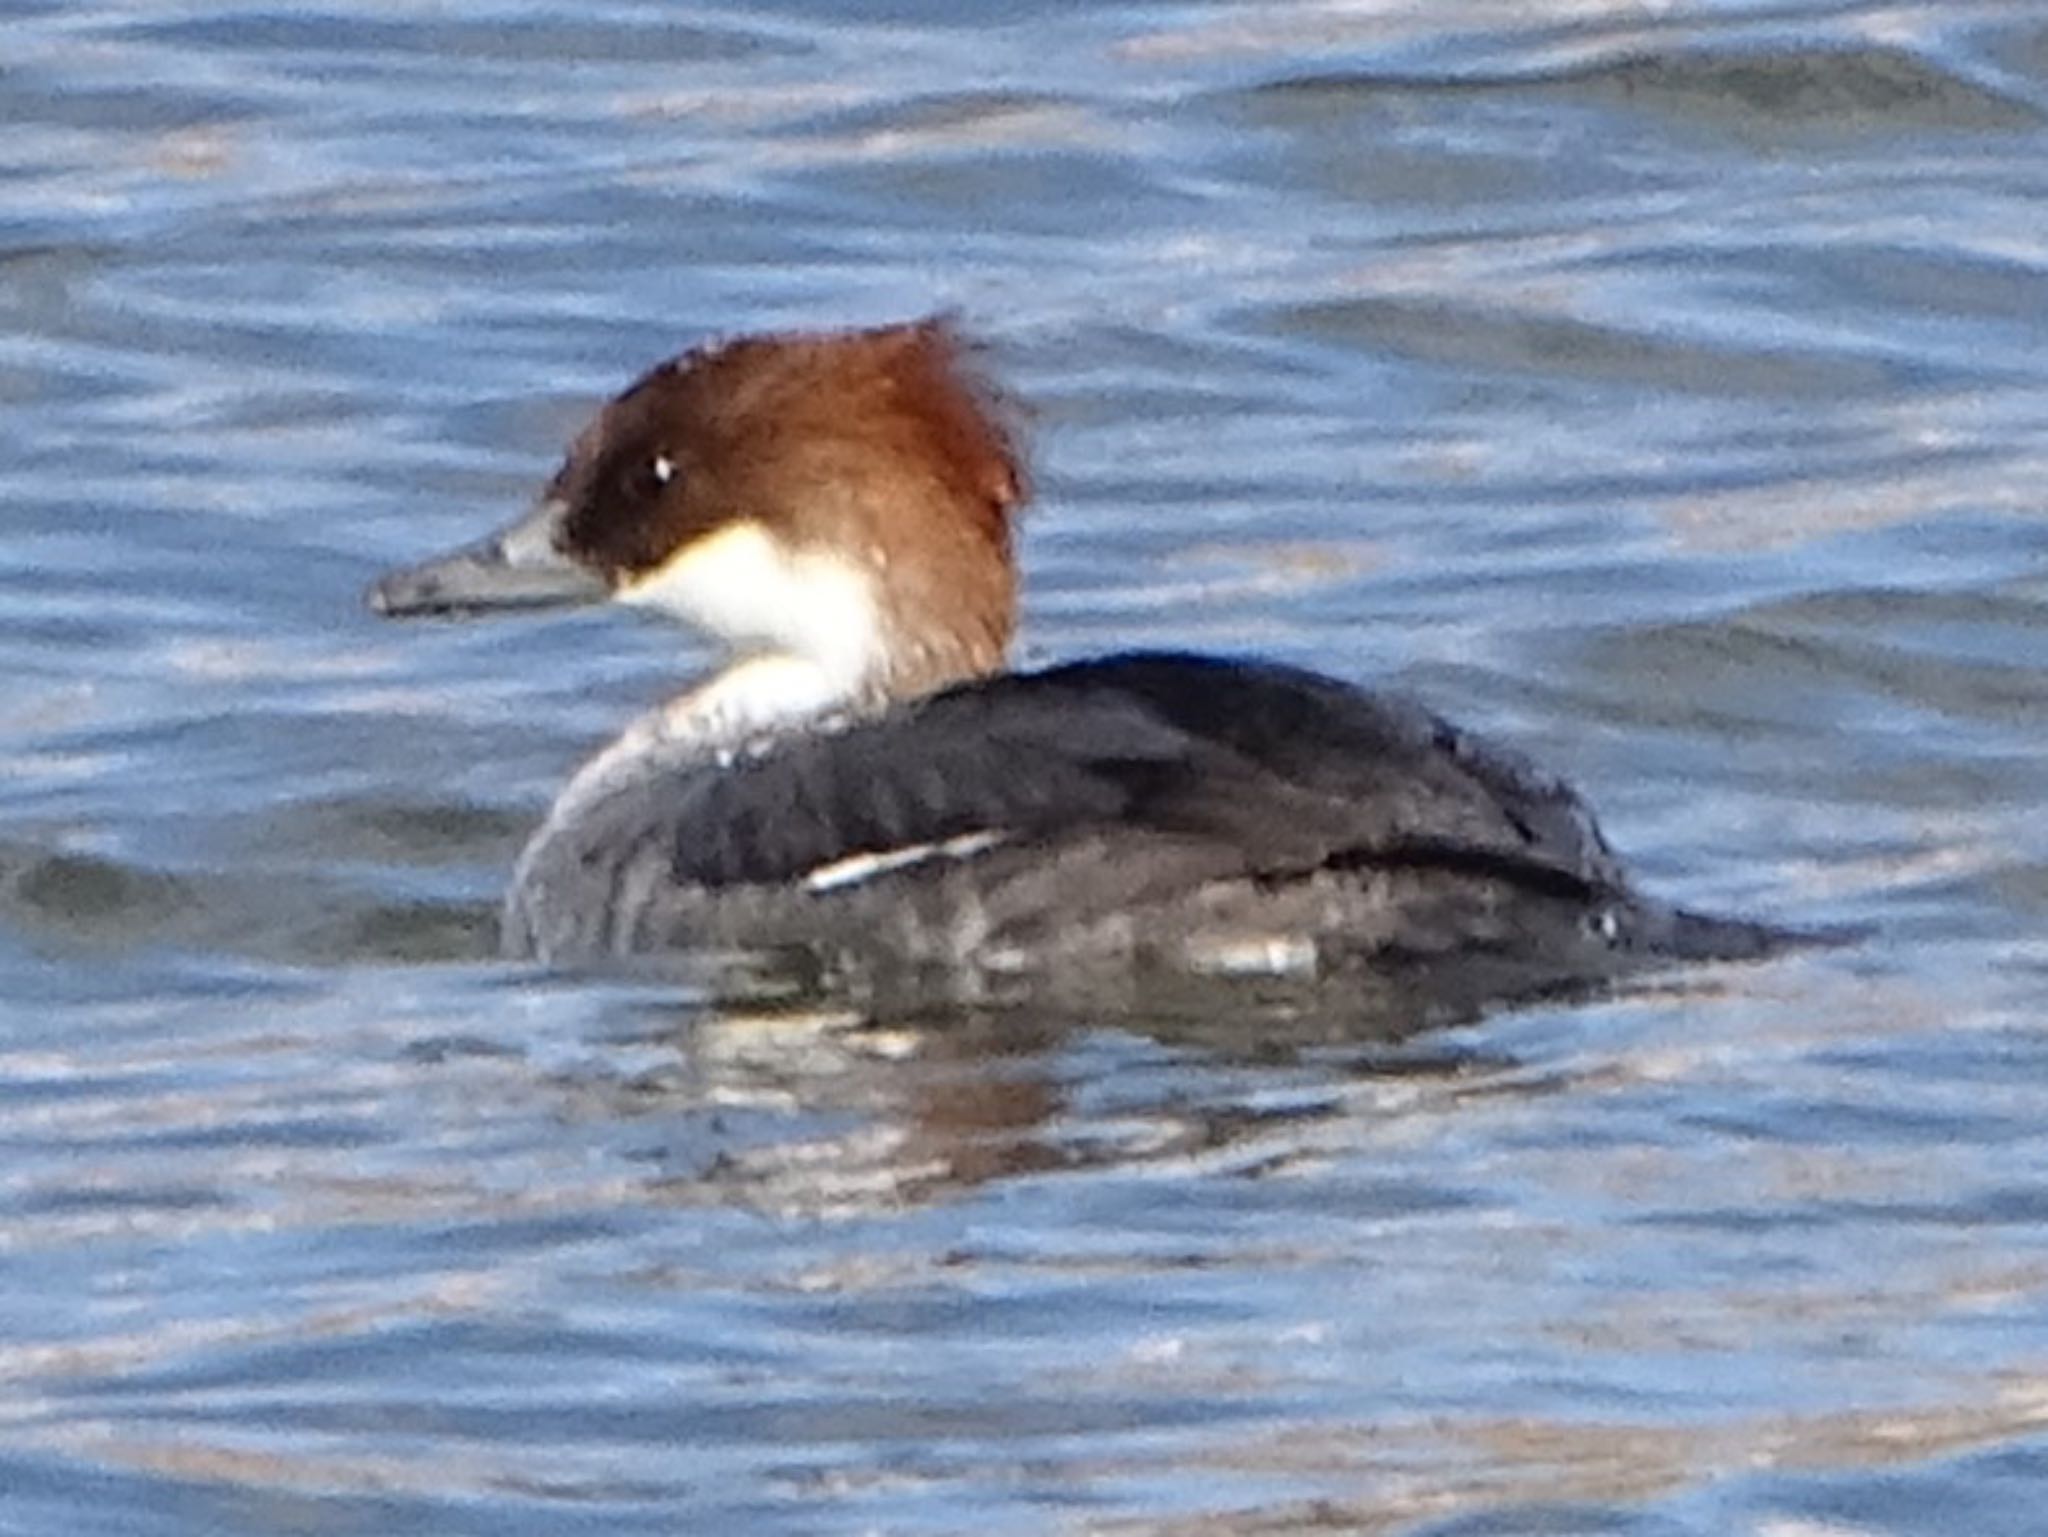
(644, 477)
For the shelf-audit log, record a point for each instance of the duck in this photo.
(866, 780)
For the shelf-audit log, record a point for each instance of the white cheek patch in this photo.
(855, 868)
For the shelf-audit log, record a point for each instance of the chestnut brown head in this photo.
(844, 497)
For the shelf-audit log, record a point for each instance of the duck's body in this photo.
(868, 784)
(1183, 809)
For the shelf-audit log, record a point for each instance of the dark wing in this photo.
(1390, 778)
(1275, 770)
(1024, 757)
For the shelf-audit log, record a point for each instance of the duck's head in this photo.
(840, 499)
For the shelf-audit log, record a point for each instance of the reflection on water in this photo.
(1656, 387)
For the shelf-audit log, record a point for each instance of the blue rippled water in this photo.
(1657, 386)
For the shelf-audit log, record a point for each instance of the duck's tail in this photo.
(1695, 936)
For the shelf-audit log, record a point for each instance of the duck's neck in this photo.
(738, 709)
(757, 699)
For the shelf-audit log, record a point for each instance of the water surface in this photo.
(1659, 387)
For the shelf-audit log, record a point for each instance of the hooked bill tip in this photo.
(482, 578)
(403, 594)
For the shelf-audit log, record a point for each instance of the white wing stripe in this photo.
(855, 868)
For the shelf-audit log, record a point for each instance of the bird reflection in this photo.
(789, 1099)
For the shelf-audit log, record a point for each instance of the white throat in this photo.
(813, 614)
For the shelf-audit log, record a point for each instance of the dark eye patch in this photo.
(623, 508)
